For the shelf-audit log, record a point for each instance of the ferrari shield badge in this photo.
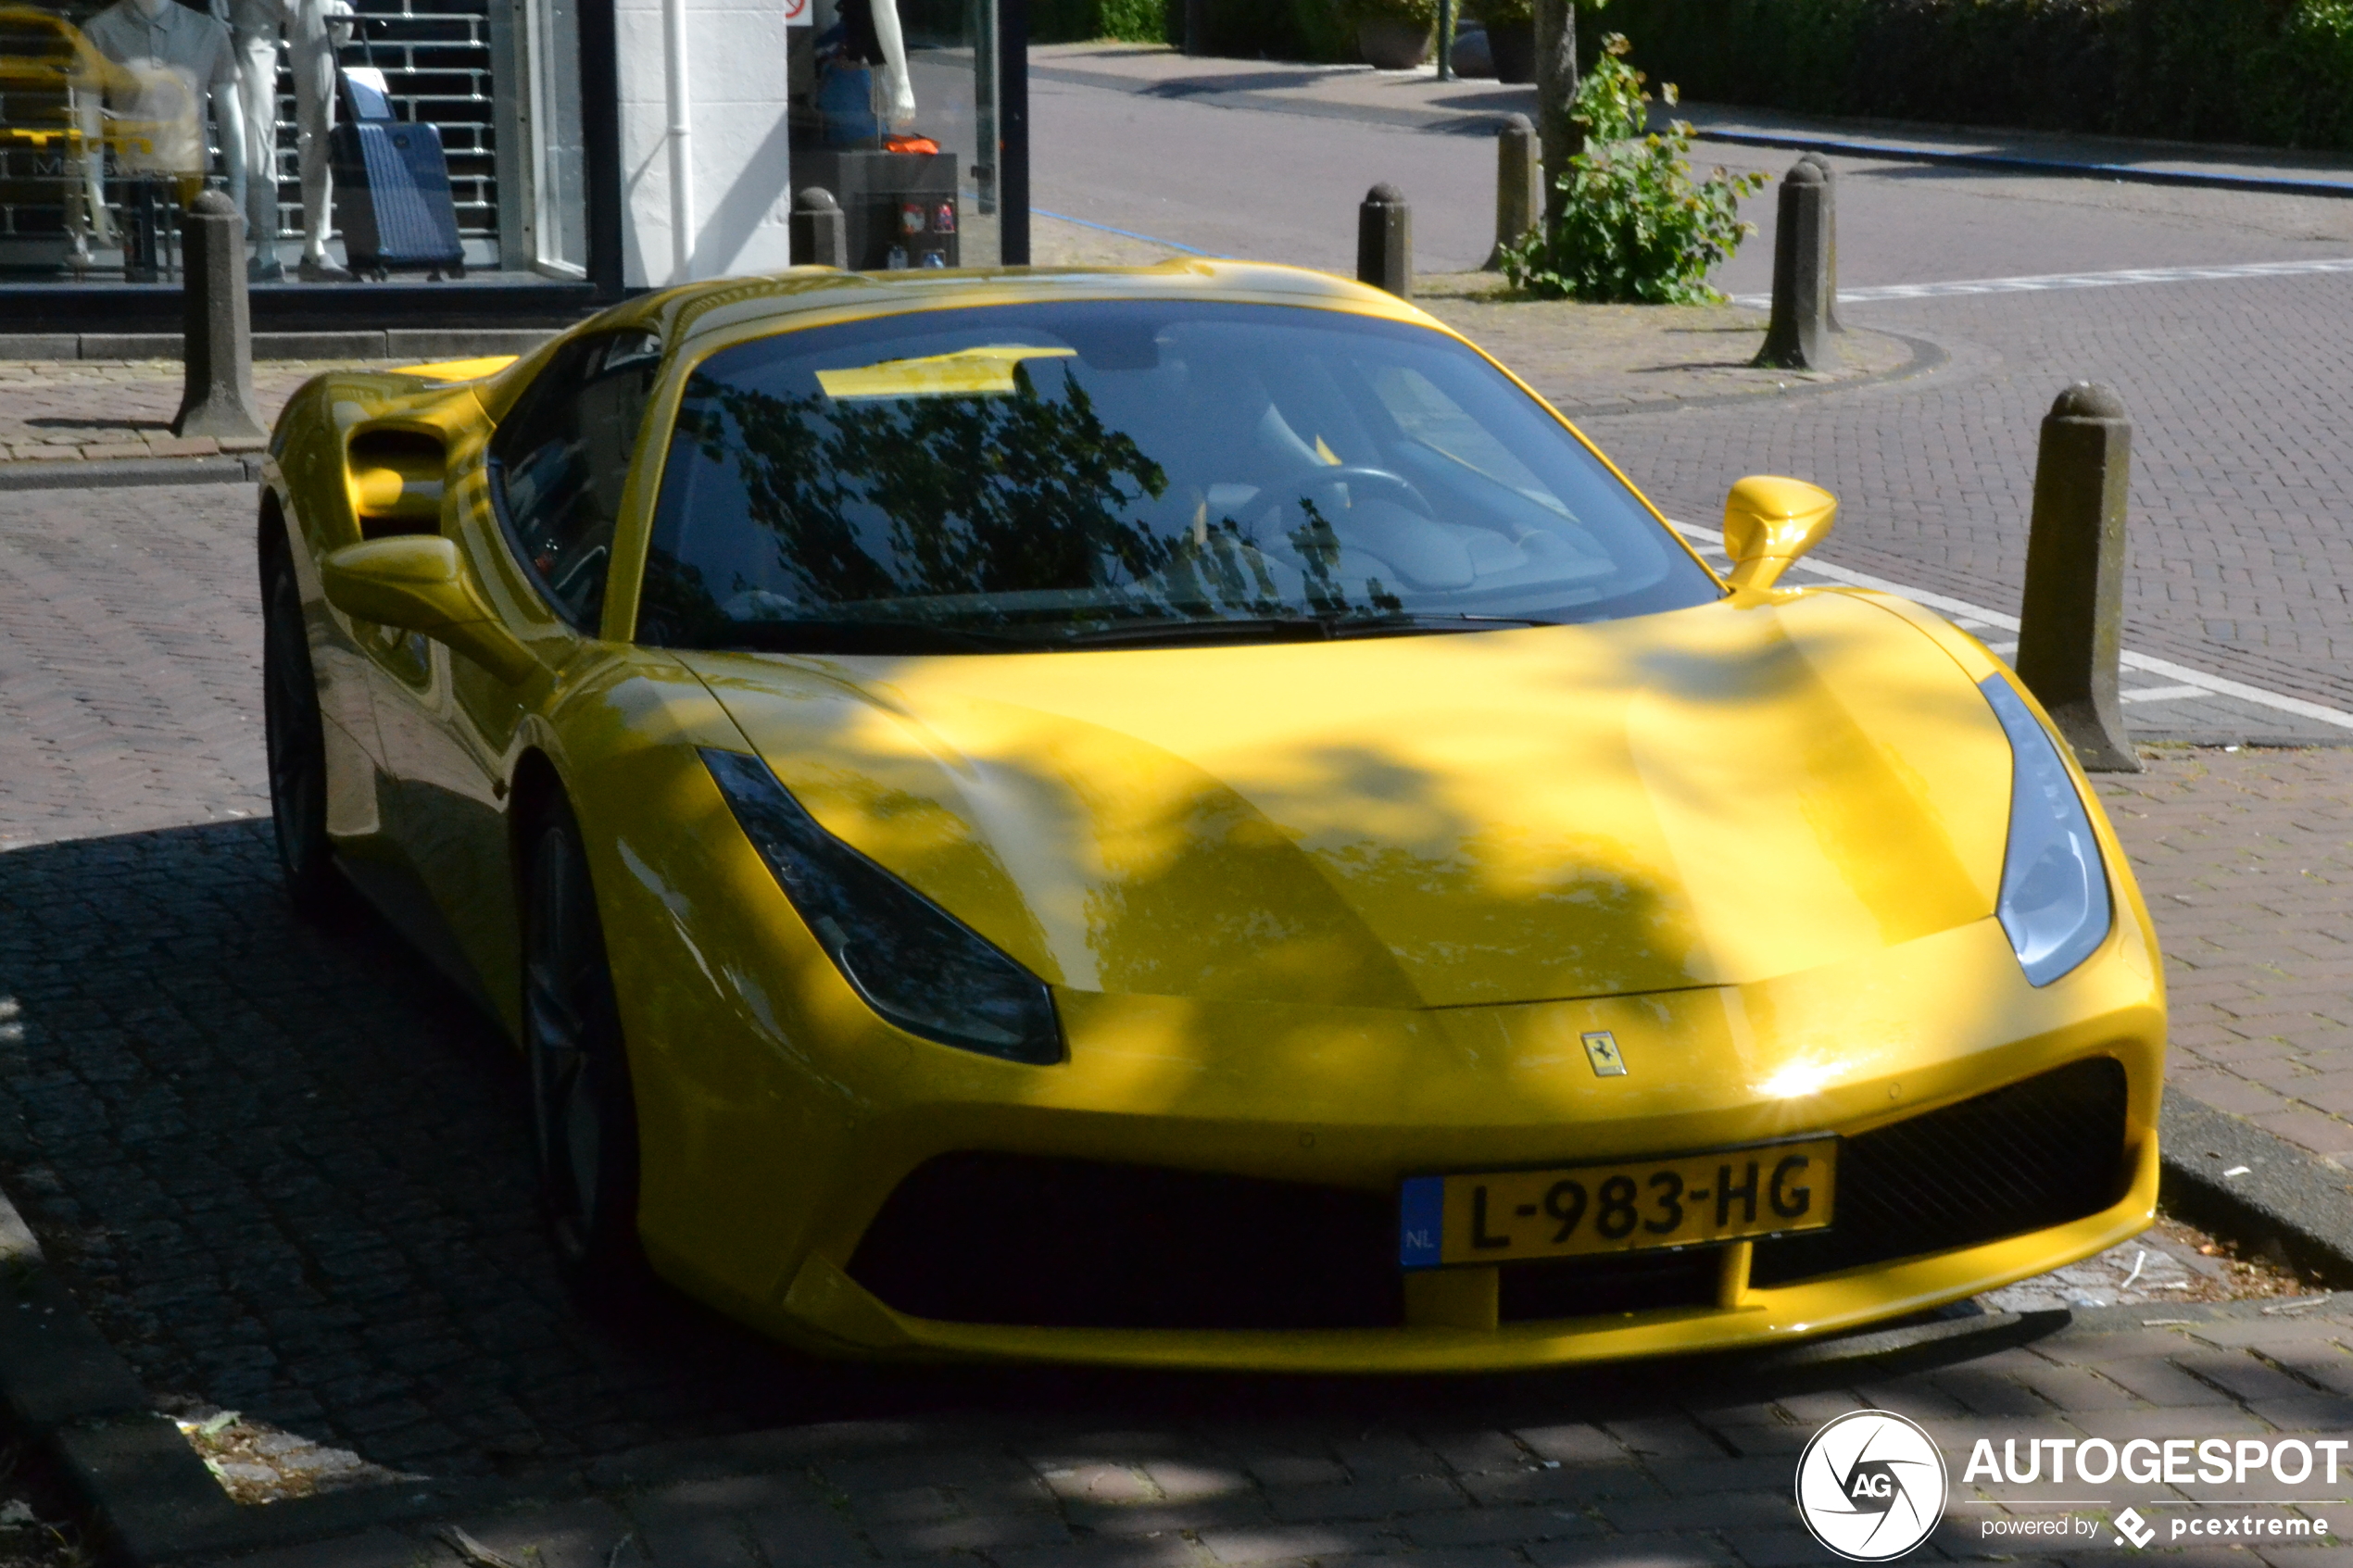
(1601, 1049)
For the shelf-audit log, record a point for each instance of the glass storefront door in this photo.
(895, 112)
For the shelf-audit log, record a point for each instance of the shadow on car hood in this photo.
(1712, 796)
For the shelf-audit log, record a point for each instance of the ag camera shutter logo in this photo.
(1870, 1485)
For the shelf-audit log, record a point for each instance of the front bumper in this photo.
(1353, 1103)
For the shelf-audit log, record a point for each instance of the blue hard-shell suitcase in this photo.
(392, 186)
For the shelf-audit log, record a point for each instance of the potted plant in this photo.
(1394, 35)
(1511, 37)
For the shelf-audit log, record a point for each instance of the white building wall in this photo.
(741, 168)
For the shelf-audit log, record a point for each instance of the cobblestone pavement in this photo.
(1596, 359)
(1660, 1467)
(2237, 561)
(2246, 862)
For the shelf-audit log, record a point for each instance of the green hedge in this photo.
(1079, 21)
(2274, 72)
(1275, 29)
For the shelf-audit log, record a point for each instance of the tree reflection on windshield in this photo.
(1095, 472)
(982, 494)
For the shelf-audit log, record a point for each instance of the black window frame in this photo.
(565, 361)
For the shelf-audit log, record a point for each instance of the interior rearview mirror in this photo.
(1769, 521)
(418, 582)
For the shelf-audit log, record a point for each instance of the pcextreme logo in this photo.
(1870, 1485)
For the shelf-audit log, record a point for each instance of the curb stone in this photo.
(114, 473)
(2285, 1199)
(1927, 358)
(2004, 163)
(67, 1389)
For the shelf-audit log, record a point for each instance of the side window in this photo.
(560, 458)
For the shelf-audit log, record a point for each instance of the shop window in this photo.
(113, 115)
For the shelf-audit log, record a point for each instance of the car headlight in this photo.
(2055, 903)
(913, 962)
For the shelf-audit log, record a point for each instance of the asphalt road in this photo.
(1284, 187)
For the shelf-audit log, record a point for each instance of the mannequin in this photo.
(866, 33)
(319, 28)
(254, 27)
(897, 105)
(172, 59)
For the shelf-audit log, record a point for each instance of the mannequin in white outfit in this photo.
(254, 27)
(160, 44)
(319, 28)
(876, 39)
(898, 107)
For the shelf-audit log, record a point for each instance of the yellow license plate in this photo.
(1507, 1216)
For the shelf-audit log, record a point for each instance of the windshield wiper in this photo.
(1288, 628)
(915, 637)
(860, 636)
(1406, 625)
(1241, 628)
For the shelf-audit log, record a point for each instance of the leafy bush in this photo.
(2275, 73)
(1633, 228)
(1136, 21)
(1082, 21)
(1422, 11)
(1274, 30)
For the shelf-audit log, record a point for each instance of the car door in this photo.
(536, 522)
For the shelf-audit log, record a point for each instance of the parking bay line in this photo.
(2186, 682)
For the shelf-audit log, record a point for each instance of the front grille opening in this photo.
(2035, 1154)
(1619, 1282)
(1003, 1238)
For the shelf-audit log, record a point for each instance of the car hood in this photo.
(1706, 797)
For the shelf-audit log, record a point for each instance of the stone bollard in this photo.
(1385, 241)
(1829, 270)
(1799, 337)
(1519, 180)
(2070, 623)
(820, 229)
(217, 350)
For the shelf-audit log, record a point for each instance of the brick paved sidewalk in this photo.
(1657, 1466)
(2246, 861)
(64, 410)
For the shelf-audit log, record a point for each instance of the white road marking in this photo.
(2047, 281)
(1972, 616)
(2161, 694)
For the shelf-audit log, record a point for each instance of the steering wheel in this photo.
(1398, 486)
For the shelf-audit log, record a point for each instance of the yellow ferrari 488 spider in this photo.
(1183, 816)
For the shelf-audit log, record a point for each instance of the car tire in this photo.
(295, 735)
(584, 1114)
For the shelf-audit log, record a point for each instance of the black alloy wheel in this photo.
(296, 736)
(584, 1115)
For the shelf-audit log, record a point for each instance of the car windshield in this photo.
(1092, 473)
